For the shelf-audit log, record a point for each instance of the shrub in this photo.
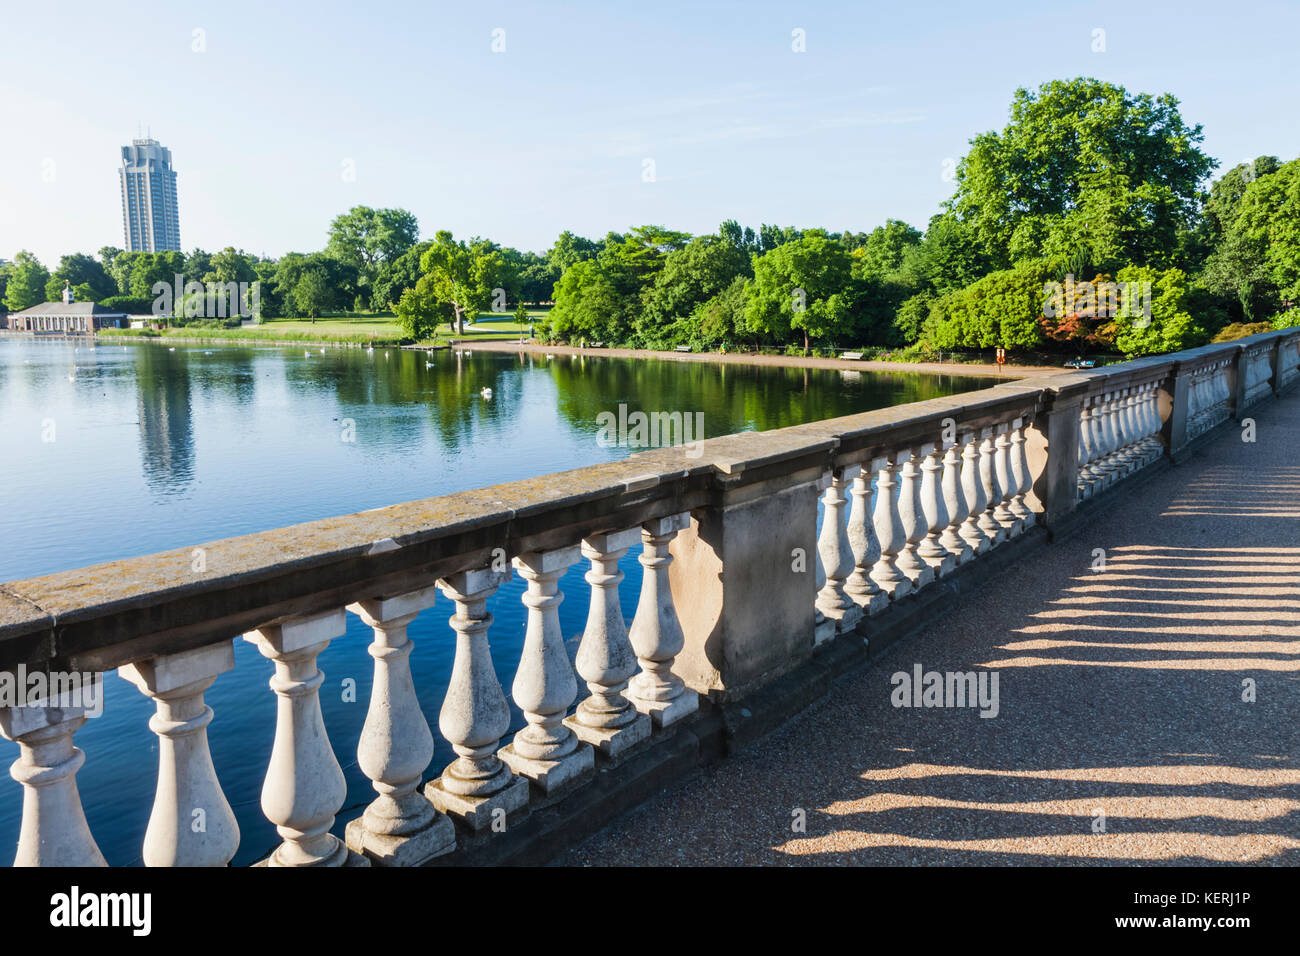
(1239, 330)
(1289, 319)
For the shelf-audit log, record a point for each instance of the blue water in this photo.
(156, 448)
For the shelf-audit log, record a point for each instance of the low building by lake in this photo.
(68, 317)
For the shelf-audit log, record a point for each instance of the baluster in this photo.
(912, 515)
(656, 633)
(54, 831)
(993, 493)
(836, 552)
(860, 586)
(954, 500)
(1151, 410)
(1104, 466)
(606, 661)
(400, 827)
(976, 497)
(1020, 477)
(1002, 512)
(304, 785)
(1118, 462)
(477, 786)
(191, 823)
(1087, 451)
(546, 751)
(889, 532)
(1124, 427)
(936, 515)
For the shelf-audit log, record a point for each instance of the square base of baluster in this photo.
(478, 813)
(895, 590)
(837, 621)
(437, 838)
(1014, 528)
(869, 604)
(942, 566)
(823, 631)
(920, 578)
(611, 743)
(665, 713)
(550, 775)
(996, 536)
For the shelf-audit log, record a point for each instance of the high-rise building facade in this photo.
(149, 217)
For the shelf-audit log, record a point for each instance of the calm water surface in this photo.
(156, 448)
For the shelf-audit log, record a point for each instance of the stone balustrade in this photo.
(739, 587)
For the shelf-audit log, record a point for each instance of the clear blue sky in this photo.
(552, 133)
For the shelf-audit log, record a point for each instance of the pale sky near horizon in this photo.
(553, 133)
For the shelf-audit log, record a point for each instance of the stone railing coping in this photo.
(117, 612)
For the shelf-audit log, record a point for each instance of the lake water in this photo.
(112, 451)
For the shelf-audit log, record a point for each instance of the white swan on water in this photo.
(486, 393)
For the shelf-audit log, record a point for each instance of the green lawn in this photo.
(354, 327)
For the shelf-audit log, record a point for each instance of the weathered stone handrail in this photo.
(739, 588)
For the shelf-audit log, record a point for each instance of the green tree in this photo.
(460, 275)
(418, 314)
(690, 276)
(312, 294)
(1269, 219)
(799, 286)
(569, 250)
(26, 285)
(87, 276)
(363, 238)
(1080, 158)
(1168, 327)
(881, 252)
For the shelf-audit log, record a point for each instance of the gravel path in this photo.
(1120, 694)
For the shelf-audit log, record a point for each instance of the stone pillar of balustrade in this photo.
(935, 511)
(546, 751)
(191, 823)
(1020, 477)
(912, 514)
(840, 613)
(477, 787)
(401, 827)
(606, 661)
(977, 499)
(656, 632)
(53, 831)
(890, 531)
(1053, 453)
(954, 499)
(864, 591)
(993, 529)
(1002, 512)
(1181, 385)
(304, 785)
(819, 618)
(744, 574)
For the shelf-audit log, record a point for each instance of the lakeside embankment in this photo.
(501, 345)
(754, 358)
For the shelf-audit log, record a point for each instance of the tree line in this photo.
(1083, 225)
